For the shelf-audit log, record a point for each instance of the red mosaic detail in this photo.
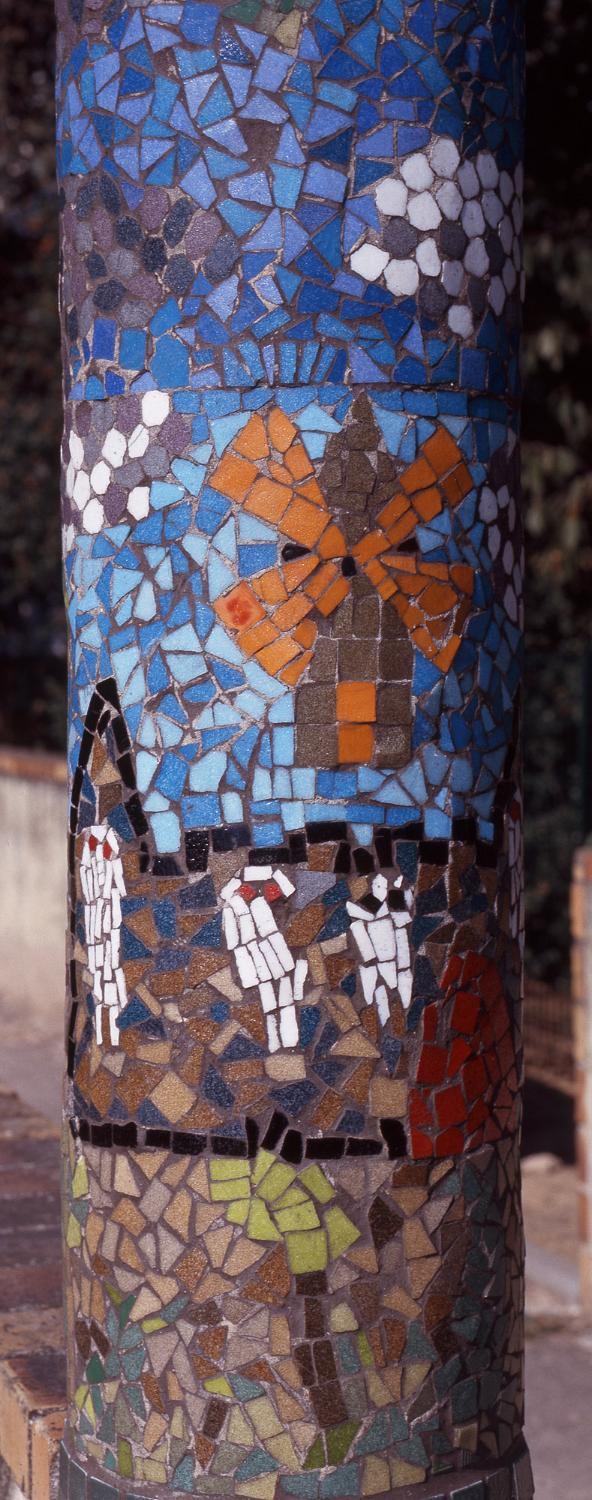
(464, 1091)
(271, 891)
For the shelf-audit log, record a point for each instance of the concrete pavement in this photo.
(559, 1413)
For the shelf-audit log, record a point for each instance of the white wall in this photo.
(33, 812)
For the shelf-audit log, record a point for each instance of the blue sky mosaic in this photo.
(278, 144)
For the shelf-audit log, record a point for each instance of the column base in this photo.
(510, 1480)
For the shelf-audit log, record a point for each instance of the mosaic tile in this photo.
(291, 308)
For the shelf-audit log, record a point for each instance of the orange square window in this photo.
(356, 702)
(355, 743)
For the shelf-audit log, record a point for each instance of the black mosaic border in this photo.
(105, 709)
(279, 1136)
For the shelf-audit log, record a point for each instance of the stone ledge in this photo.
(32, 1359)
(33, 765)
(512, 1480)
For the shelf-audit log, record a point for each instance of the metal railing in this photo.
(548, 1036)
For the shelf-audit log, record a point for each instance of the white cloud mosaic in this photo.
(451, 220)
(86, 485)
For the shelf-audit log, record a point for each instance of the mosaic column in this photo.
(290, 294)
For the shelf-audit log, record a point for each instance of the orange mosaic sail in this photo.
(433, 599)
(267, 470)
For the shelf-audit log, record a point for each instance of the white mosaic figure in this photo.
(103, 885)
(261, 953)
(379, 929)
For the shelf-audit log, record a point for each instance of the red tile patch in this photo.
(465, 1087)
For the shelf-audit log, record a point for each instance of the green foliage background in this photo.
(557, 427)
(557, 463)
